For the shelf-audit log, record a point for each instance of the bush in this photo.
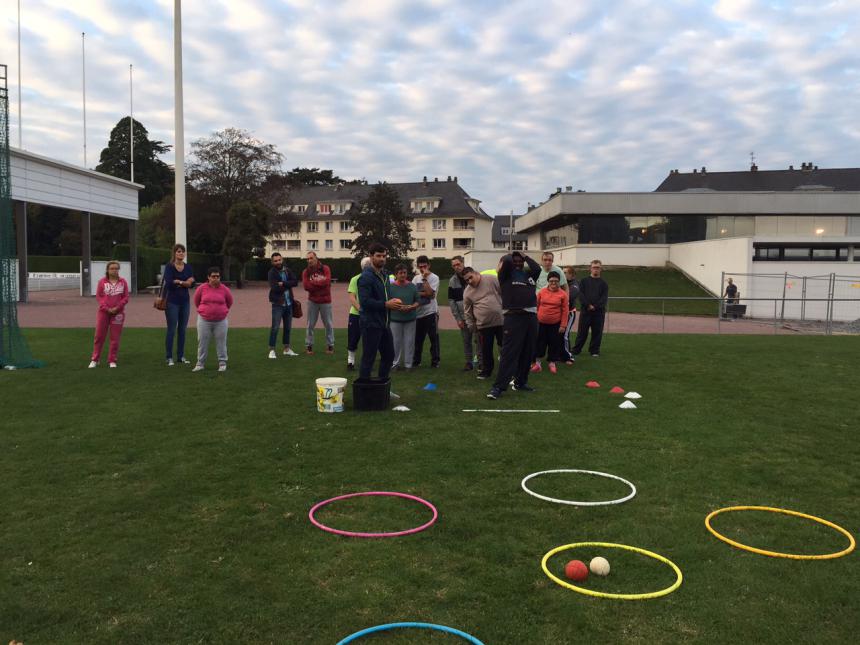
(54, 263)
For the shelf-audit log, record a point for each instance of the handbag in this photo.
(161, 298)
(297, 309)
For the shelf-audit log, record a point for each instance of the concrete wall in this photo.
(705, 261)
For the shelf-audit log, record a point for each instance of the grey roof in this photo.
(452, 198)
(808, 177)
(500, 221)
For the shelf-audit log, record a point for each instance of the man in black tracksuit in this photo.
(520, 327)
(593, 294)
(374, 320)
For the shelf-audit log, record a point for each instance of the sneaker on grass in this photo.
(198, 368)
(111, 364)
(272, 354)
(494, 393)
(93, 364)
(289, 352)
(222, 367)
(169, 362)
(523, 388)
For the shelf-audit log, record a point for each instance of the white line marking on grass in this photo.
(511, 410)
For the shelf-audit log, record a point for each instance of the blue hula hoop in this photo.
(382, 628)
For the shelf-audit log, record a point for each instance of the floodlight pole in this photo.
(511, 232)
(178, 126)
(131, 118)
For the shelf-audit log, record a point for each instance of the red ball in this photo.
(576, 570)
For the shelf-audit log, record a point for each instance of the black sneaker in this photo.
(482, 376)
(494, 394)
(523, 388)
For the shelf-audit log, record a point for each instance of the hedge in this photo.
(150, 260)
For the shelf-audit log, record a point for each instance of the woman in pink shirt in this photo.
(213, 301)
(112, 295)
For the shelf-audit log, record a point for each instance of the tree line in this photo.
(235, 188)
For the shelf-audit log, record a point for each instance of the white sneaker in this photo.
(111, 364)
(93, 364)
(289, 352)
(169, 362)
(197, 368)
(222, 367)
(184, 361)
(272, 354)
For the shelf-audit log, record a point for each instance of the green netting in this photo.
(14, 351)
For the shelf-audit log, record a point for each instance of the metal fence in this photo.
(777, 321)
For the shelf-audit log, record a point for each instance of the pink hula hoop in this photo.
(382, 493)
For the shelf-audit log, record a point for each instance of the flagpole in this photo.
(179, 126)
(84, 88)
(131, 118)
(20, 131)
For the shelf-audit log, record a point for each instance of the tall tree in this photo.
(229, 167)
(155, 175)
(247, 227)
(381, 218)
(313, 177)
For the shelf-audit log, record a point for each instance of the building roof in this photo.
(503, 221)
(807, 177)
(452, 198)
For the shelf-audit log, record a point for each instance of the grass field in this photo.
(152, 505)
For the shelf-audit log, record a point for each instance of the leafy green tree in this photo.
(247, 227)
(312, 177)
(381, 218)
(155, 175)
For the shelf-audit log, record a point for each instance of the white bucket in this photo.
(330, 394)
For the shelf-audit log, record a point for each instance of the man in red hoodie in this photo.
(316, 280)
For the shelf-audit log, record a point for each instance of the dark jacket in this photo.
(276, 292)
(518, 287)
(372, 296)
(593, 291)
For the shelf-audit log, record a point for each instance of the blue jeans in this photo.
(281, 313)
(177, 321)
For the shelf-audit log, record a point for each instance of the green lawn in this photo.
(152, 505)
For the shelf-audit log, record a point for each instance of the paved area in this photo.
(251, 309)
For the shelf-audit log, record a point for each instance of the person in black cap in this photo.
(517, 276)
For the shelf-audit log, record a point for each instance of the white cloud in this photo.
(514, 98)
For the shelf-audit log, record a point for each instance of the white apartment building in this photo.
(446, 221)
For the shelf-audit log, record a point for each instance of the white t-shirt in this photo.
(431, 307)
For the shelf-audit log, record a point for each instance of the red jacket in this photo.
(317, 283)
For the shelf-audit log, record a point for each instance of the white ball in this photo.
(599, 566)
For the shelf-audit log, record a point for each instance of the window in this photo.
(423, 205)
(300, 208)
(313, 245)
(506, 231)
(796, 253)
(464, 242)
(324, 209)
(329, 245)
(294, 245)
(420, 224)
(831, 255)
(312, 227)
(439, 242)
(293, 228)
(464, 225)
(521, 246)
(339, 208)
(279, 245)
(345, 227)
(345, 245)
(420, 243)
(789, 253)
(328, 227)
(438, 224)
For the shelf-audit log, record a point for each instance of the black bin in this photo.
(371, 394)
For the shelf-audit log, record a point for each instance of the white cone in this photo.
(633, 395)
(628, 405)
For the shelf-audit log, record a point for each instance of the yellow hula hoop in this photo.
(776, 554)
(616, 596)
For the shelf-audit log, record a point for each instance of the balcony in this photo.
(463, 243)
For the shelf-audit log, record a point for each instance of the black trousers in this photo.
(518, 346)
(488, 337)
(426, 326)
(549, 338)
(353, 332)
(375, 340)
(589, 320)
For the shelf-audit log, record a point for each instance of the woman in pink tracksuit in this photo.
(112, 294)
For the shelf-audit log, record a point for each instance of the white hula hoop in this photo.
(620, 500)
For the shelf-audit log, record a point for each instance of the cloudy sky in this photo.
(515, 98)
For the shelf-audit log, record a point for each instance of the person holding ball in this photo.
(374, 306)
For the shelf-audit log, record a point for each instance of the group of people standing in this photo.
(525, 308)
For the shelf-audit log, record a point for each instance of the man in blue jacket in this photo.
(281, 283)
(517, 276)
(375, 304)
